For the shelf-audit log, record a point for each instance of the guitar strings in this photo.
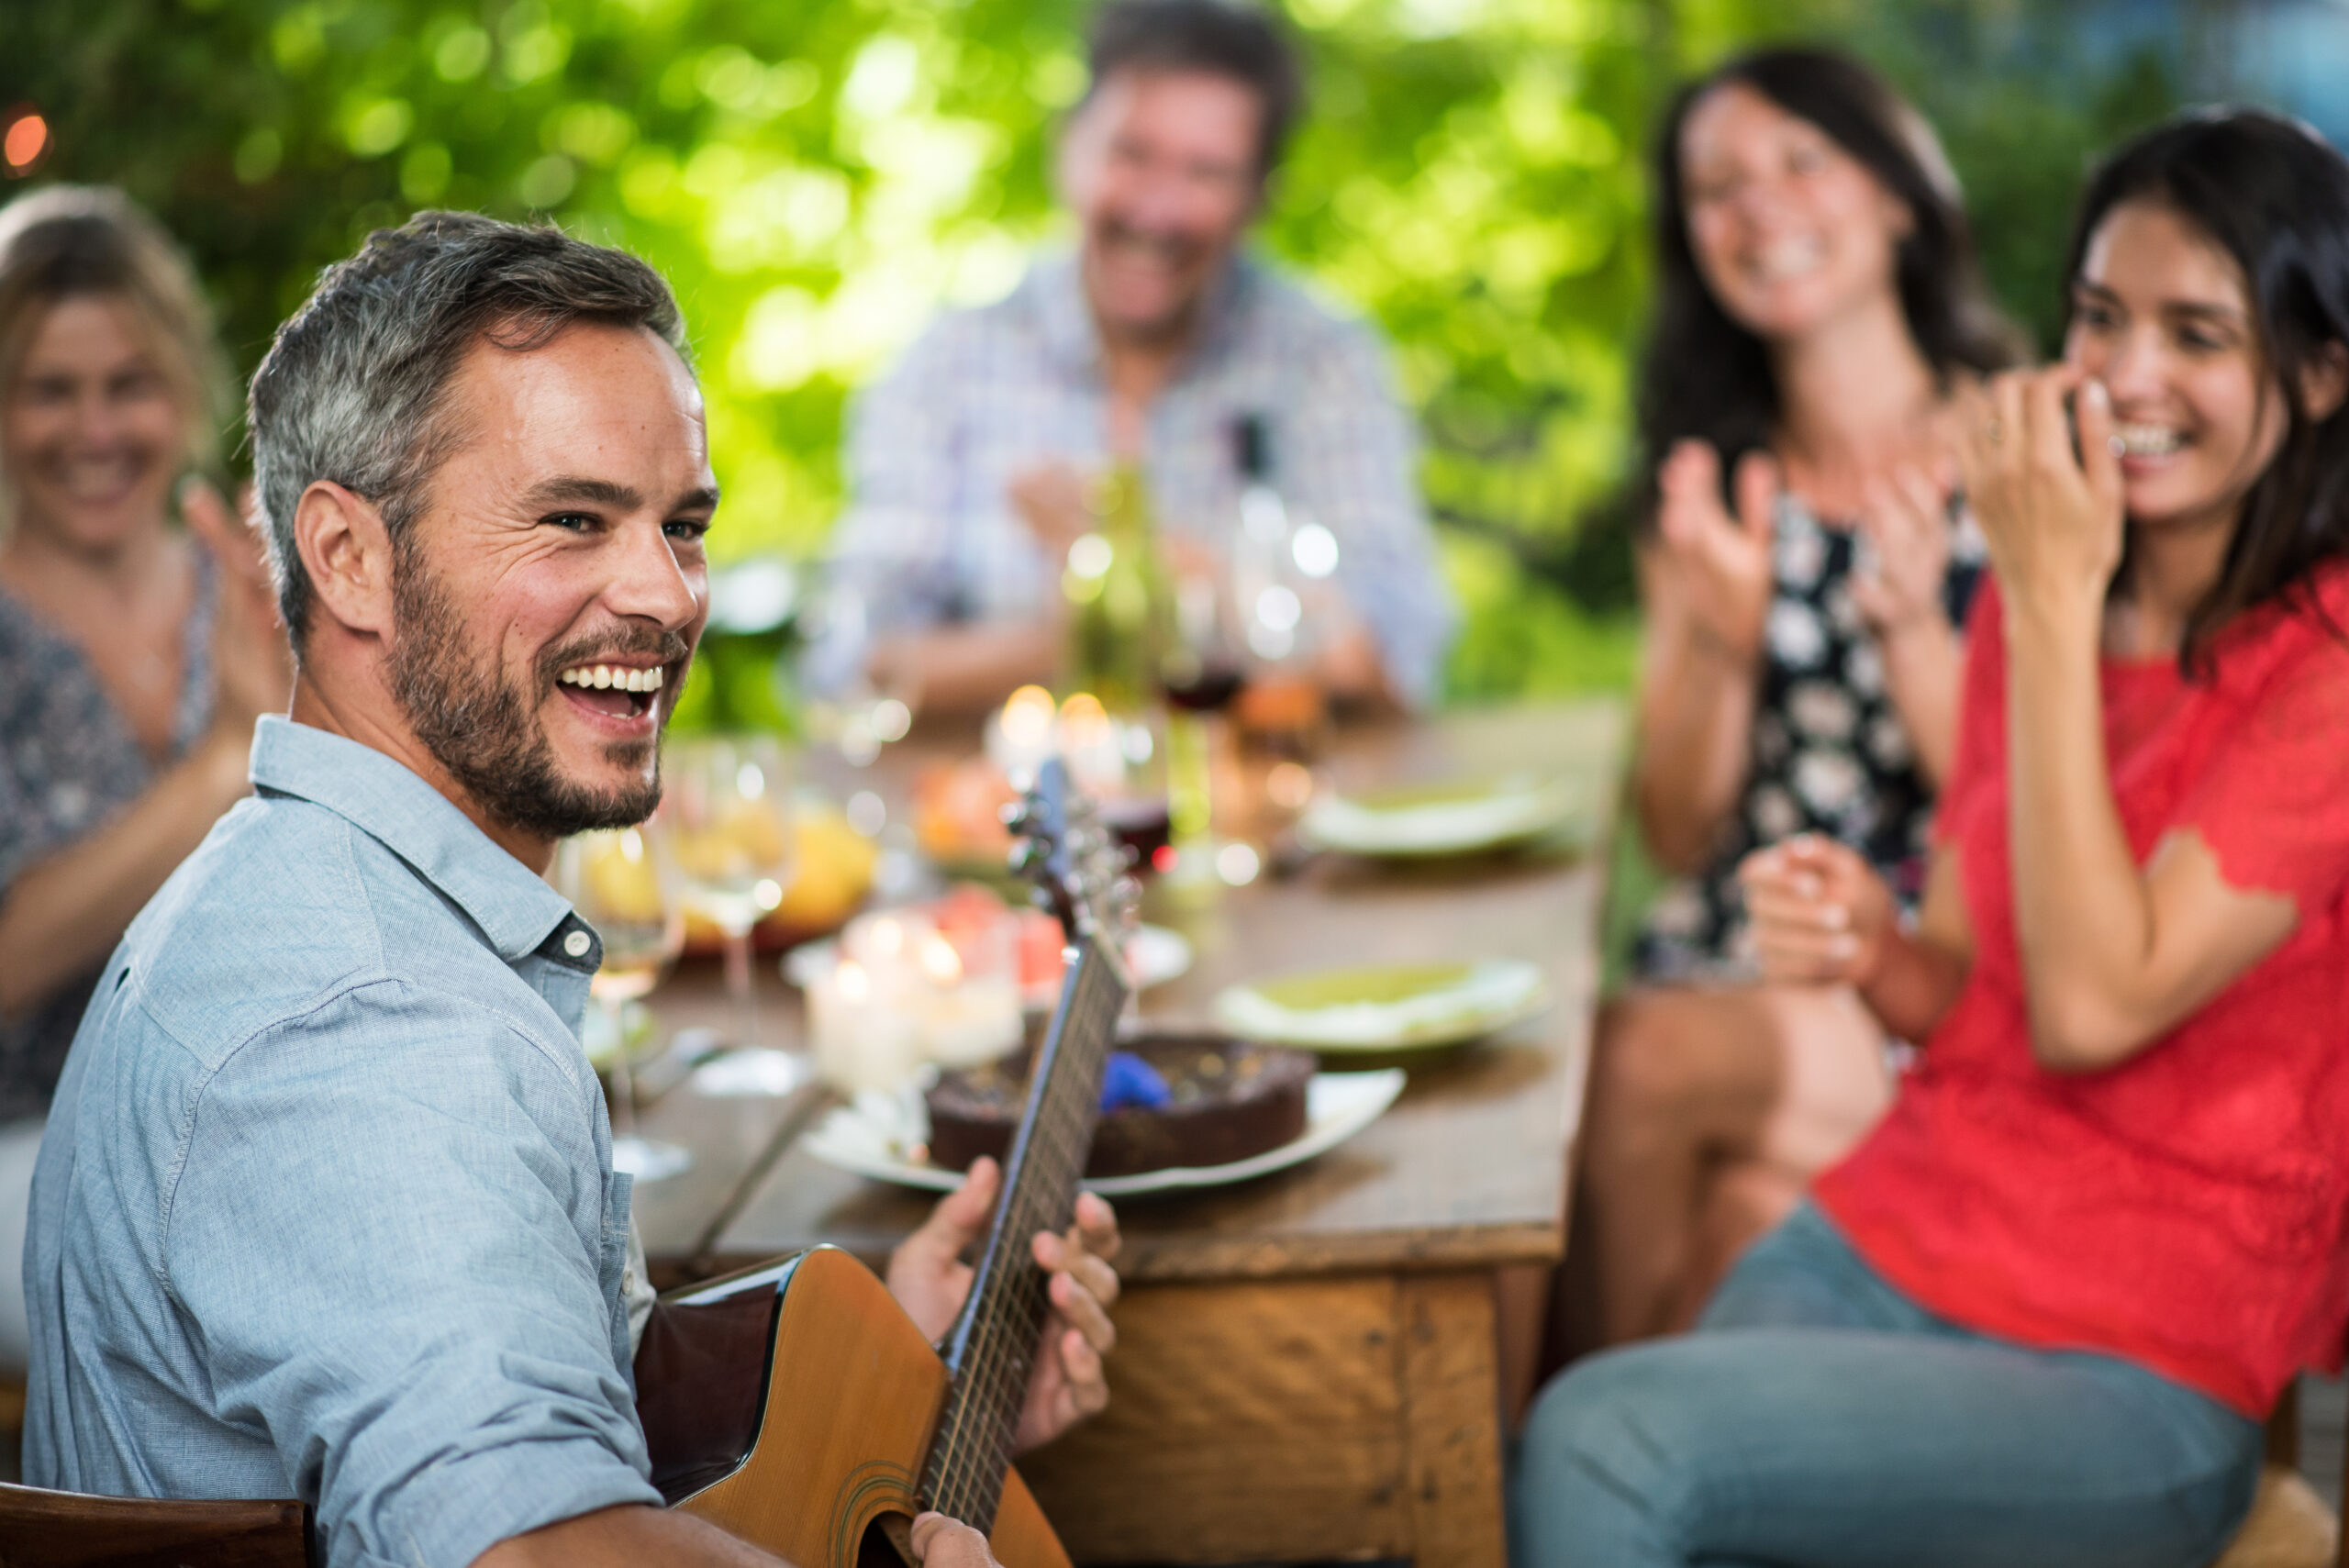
(1000, 1350)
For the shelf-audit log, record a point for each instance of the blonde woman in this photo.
(133, 659)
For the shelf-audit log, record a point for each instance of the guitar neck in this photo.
(992, 1346)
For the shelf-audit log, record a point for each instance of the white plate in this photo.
(1384, 1007)
(1154, 955)
(871, 1136)
(1439, 819)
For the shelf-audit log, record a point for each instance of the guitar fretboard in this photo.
(992, 1346)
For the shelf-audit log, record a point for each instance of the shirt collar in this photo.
(389, 803)
(1056, 283)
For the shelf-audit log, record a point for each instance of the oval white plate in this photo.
(1381, 1008)
(1439, 820)
(868, 1138)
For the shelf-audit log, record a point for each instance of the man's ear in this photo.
(2325, 381)
(347, 551)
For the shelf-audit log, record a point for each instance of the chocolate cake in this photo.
(1226, 1100)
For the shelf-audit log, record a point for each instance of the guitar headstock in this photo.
(1080, 871)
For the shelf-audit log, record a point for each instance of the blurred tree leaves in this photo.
(816, 178)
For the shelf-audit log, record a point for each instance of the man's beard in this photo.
(485, 731)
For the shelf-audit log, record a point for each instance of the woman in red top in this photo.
(2038, 1316)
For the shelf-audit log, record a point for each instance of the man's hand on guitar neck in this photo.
(929, 1278)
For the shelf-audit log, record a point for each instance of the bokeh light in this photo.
(26, 139)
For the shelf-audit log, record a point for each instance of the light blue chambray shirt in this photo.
(326, 1205)
(930, 534)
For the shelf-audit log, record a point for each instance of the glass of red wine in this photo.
(1202, 670)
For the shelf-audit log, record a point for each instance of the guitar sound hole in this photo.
(887, 1543)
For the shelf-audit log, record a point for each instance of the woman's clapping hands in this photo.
(1719, 563)
(1820, 914)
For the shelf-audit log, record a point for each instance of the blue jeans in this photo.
(1818, 1418)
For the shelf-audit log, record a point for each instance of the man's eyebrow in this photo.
(575, 490)
(701, 499)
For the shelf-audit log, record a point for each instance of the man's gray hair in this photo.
(354, 389)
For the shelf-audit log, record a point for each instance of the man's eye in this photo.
(685, 528)
(575, 522)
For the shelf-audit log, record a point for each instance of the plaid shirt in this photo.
(931, 535)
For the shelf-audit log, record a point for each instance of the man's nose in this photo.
(650, 582)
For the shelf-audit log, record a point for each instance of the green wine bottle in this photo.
(1121, 610)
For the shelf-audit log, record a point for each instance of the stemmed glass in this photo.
(727, 804)
(618, 882)
(1201, 670)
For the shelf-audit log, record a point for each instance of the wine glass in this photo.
(619, 881)
(1201, 670)
(727, 805)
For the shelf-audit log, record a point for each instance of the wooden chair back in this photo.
(67, 1529)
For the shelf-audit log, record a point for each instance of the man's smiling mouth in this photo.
(616, 691)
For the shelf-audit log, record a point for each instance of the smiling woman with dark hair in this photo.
(2039, 1313)
(1816, 300)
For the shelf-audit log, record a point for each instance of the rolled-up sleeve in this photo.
(403, 1274)
(1355, 466)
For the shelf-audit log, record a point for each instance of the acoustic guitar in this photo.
(796, 1406)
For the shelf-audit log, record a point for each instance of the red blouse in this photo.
(2187, 1209)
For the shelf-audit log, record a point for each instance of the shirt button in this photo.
(577, 943)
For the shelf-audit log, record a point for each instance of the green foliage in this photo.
(816, 178)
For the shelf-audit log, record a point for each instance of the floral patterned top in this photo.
(69, 760)
(1828, 754)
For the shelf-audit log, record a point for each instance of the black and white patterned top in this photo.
(1829, 753)
(69, 760)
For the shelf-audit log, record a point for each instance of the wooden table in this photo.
(1307, 1365)
(733, 1139)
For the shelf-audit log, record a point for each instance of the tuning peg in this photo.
(1027, 854)
(1019, 817)
(1125, 902)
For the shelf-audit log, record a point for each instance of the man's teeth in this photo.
(2147, 441)
(603, 677)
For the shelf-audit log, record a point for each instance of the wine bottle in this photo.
(1119, 607)
(1279, 560)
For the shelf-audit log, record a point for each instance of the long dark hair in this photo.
(1703, 374)
(2272, 196)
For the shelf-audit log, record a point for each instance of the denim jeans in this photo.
(1818, 1418)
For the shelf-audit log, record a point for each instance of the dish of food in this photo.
(1455, 818)
(1384, 1007)
(1205, 1100)
(885, 1136)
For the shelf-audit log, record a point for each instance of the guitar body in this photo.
(853, 1394)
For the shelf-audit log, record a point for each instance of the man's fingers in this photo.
(1084, 1315)
(1097, 1224)
(1088, 1389)
(940, 1542)
(963, 1213)
(1064, 1255)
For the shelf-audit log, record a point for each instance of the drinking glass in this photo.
(1201, 670)
(618, 882)
(726, 806)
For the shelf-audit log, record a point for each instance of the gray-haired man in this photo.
(326, 1204)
